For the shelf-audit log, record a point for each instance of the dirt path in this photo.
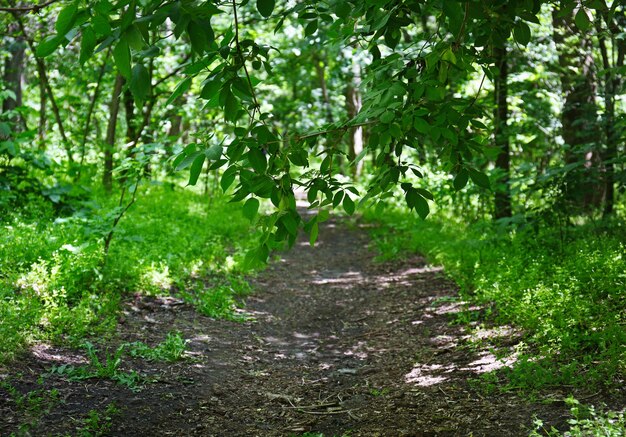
(340, 344)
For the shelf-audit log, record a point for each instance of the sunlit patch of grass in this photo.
(567, 294)
(171, 349)
(55, 286)
(220, 301)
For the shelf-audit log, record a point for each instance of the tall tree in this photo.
(579, 118)
(109, 143)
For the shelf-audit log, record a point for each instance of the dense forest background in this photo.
(147, 144)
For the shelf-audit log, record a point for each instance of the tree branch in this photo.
(27, 9)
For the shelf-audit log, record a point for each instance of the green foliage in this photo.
(32, 405)
(54, 285)
(109, 368)
(221, 300)
(170, 350)
(97, 423)
(565, 291)
(586, 421)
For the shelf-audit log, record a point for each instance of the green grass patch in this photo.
(585, 420)
(565, 288)
(171, 349)
(54, 285)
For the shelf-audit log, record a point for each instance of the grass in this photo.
(54, 285)
(108, 368)
(564, 287)
(170, 350)
(585, 421)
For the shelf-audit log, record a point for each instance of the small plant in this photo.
(217, 302)
(36, 402)
(171, 349)
(586, 421)
(33, 405)
(379, 392)
(488, 382)
(109, 368)
(98, 424)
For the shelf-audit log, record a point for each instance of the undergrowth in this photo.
(585, 421)
(565, 288)
(55, 284)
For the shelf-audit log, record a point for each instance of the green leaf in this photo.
(265, 7)
(200, 34)
(250, 208)
(448, 55)
(228, 178)
(310, 28)
(140, 83)
(521, 33)
(181, 88)
(101, 25)
(343, 9)
(387, 117)
(196, 169)
(5, 129)
(211, 89)
(87, 44)
(460, 181)
(290, 224)
(582, 20)
(427, 194)
(421, 125)
(453, 10)
(348, 204)
(479, 178)
(214, 152)
(337, 198)
(66, 19)
(121, 55)
(421, 207)
(134, 38)
(48, 46)
(314, 233)
(187, 161)
(257, 160)
(231, 107)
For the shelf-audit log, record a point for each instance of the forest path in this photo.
(341, 344)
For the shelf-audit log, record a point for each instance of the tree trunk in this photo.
(353, 104)
(14, 69)
(584, 188)
(502, 204)
(320, 68)
(612, 83)
(109, 143)
(45, 84)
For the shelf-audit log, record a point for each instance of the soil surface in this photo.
(340, 345)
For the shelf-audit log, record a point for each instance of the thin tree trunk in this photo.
(41, 129)
(43, 77)
(500, 116)
(92, 105)
(109, 143)
(321, 77)
(353, 103)
(612, 82)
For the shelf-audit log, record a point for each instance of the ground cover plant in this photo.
(60, 287)
(566, 294)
